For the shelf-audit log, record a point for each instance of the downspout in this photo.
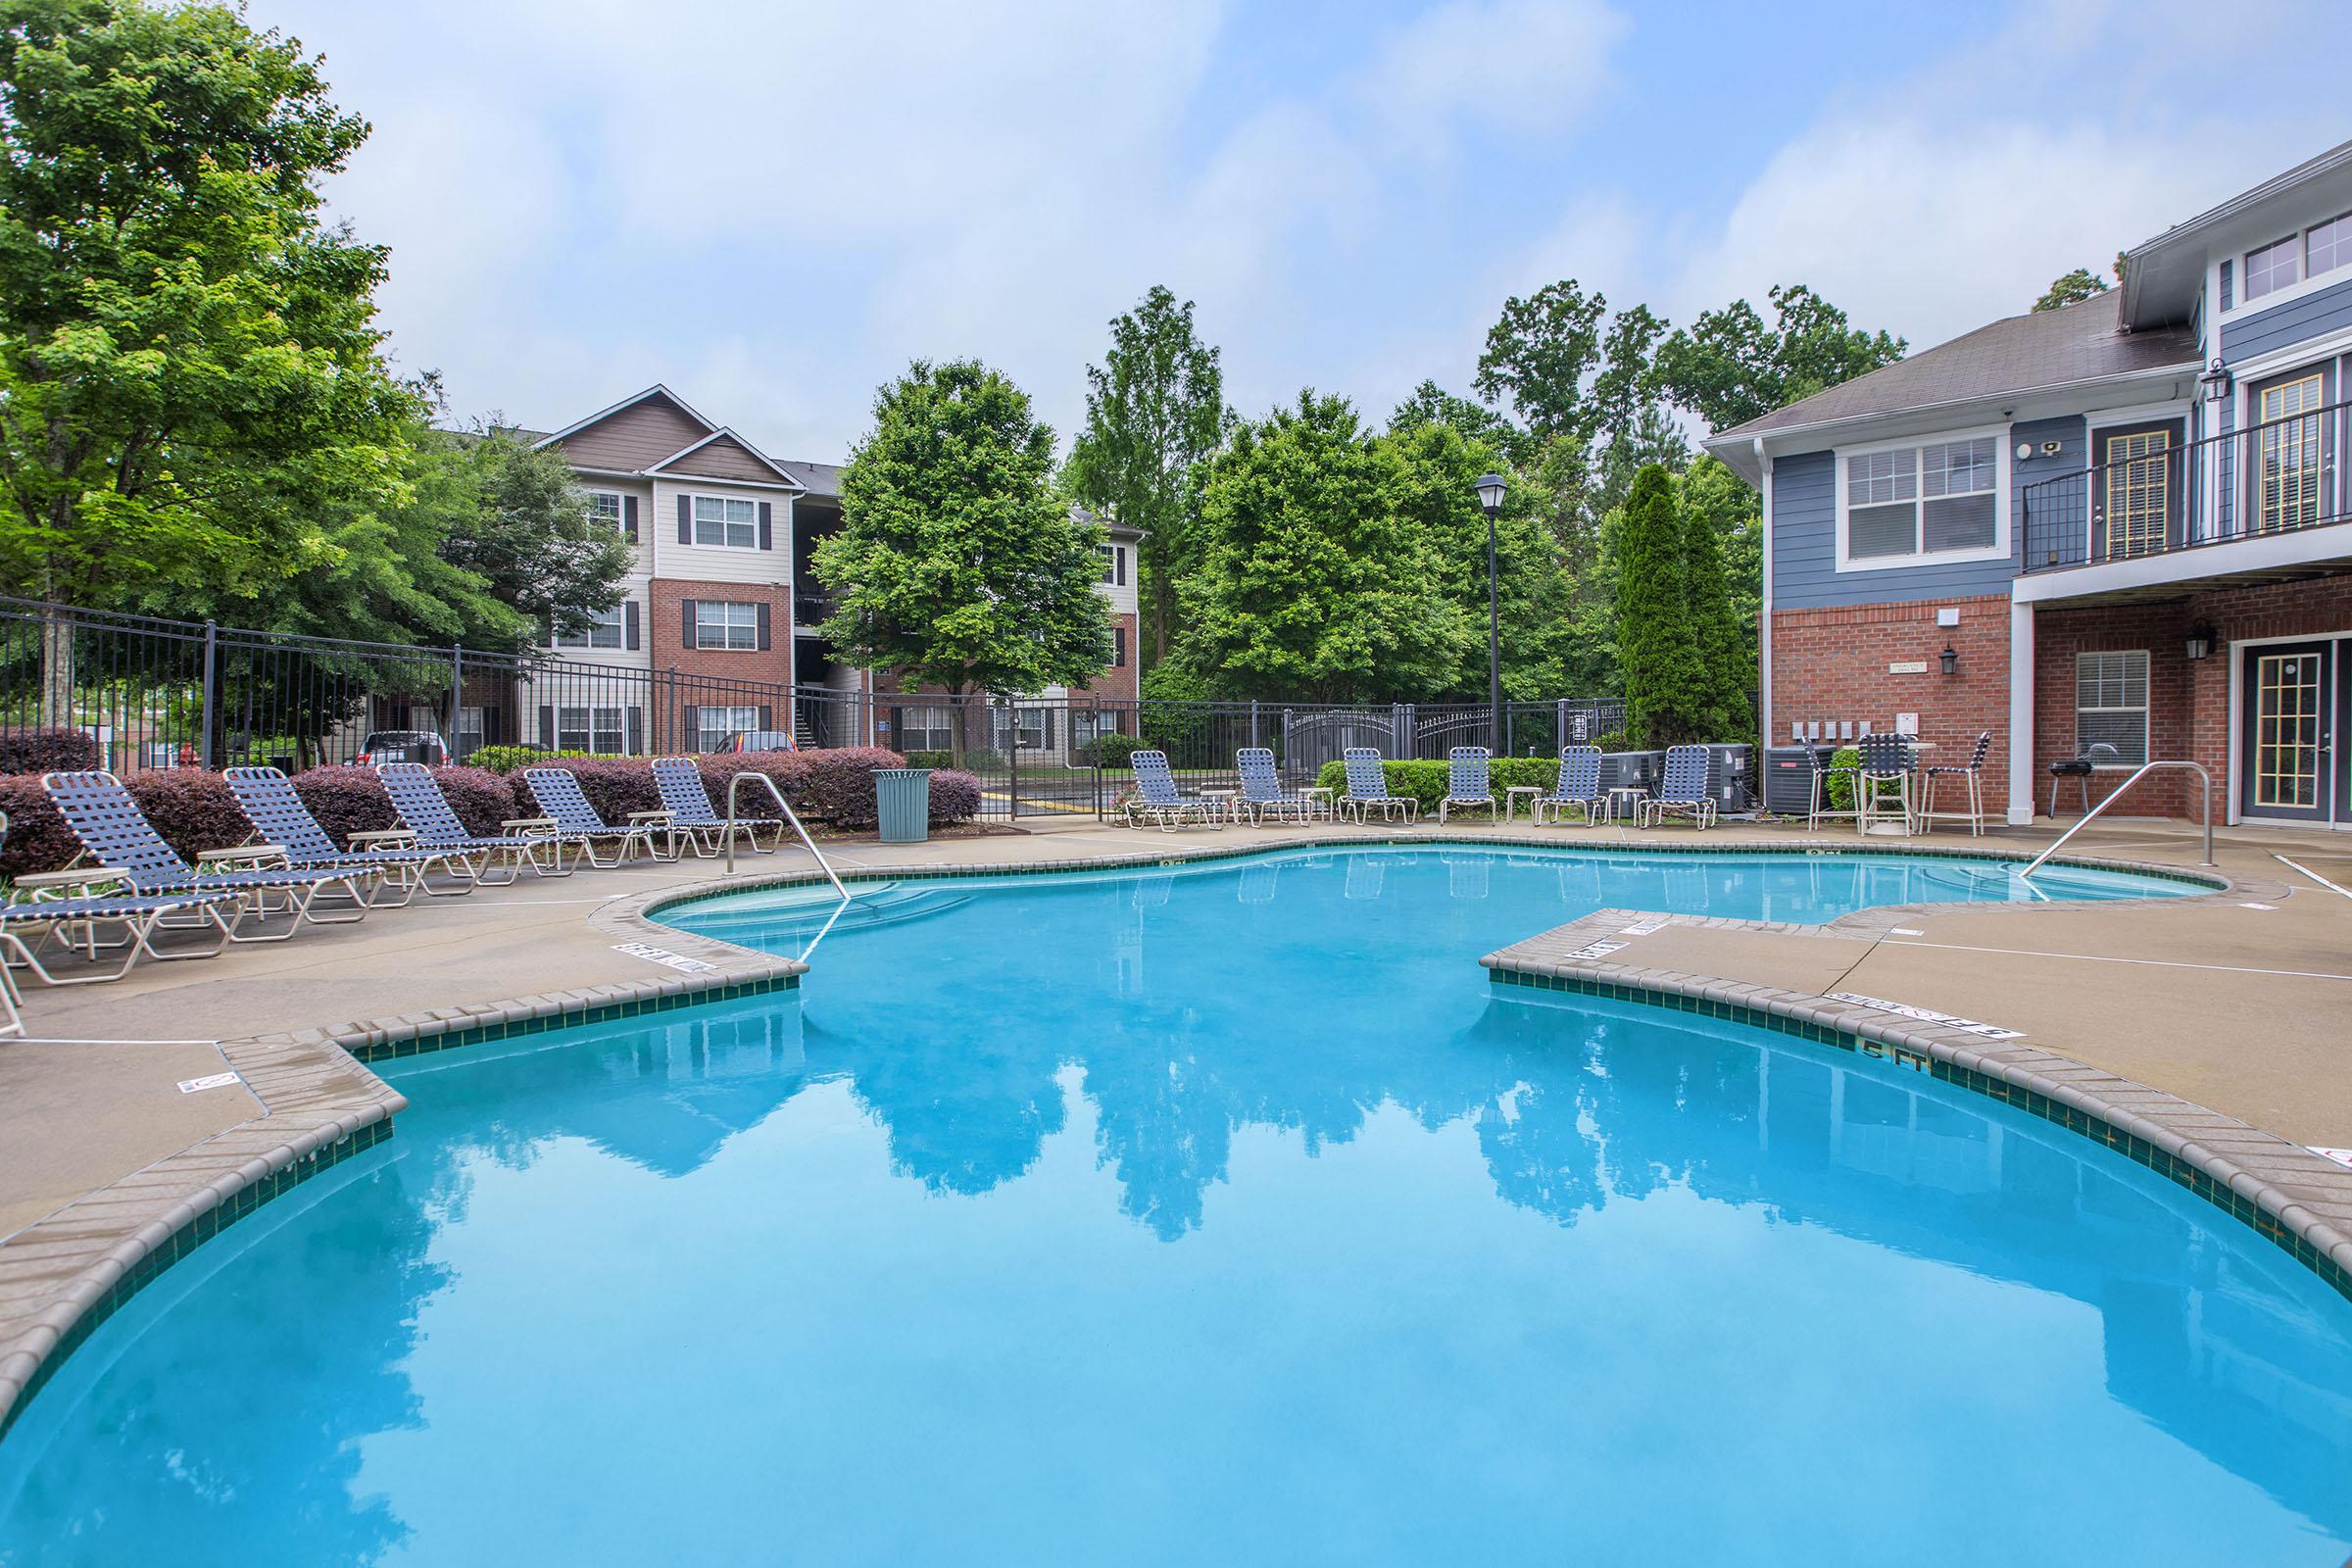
(1764, 607)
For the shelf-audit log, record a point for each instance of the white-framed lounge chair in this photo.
(1577, 788)
(1684, 790)
(279, 816)
(75, 924)
(1469, 782)
(568, 807)
(433, 822)
(1263, 795)
(115, 835)
(688, 813)
(1368, 788)
(1156, 800)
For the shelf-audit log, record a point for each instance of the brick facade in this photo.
(1830, 665)
(666, 638)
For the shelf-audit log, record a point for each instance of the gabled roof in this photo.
(2043, 351)
(657, 390)
(728, 433)
(2163, 276)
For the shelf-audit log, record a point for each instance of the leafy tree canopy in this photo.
(1154, 413)
(189, 369)
(525, 530)
(956, 559)
(1729, 368)
(2072, 288)
(1431, 404)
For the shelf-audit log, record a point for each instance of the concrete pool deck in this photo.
(2236, 1006)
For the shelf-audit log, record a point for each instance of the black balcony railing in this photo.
(2279, 477)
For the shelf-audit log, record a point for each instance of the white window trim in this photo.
(2146, 709)
(694, 497)
(587, 645)
(1998, 550)
(717, 734)
(620, 505)
(2306, 284)
(727, 625)
(618, 734)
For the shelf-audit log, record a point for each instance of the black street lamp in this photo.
(1490, 487)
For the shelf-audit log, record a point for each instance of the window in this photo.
(2328, 246)
(1939, 498)
(2272, 267)
(591, 729)
(605, 633)
(724, 520)
(927, 729)
(1032, 722)
(712, 725)
(604, 507)
(718, 623)
(1114, 566)
(2111, 707)
(472, 726)
(1088, 723)
(2294, 439)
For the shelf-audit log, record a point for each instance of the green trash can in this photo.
(902, 801)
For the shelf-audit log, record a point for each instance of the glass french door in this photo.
(2139, 492)
(2292, 460)
(2287, 766)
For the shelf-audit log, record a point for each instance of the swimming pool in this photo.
(1213, 1212)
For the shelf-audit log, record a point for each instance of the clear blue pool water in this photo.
(1216, 1216)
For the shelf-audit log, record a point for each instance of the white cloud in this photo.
(1525, 65)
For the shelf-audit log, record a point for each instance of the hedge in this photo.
(835, 785)
(1424, 779)
(505, 759)
(48, 750)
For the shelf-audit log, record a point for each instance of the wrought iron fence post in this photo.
(456, 699)
(212, 648)
(1287, 753)
(1012, 761)
(1253, 721)
(1400, 729)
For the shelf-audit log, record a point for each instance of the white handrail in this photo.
(790, 815)
(2117, 794)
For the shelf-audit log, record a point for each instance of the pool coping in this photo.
(64, 1275)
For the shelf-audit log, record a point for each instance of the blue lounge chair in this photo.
(1576, 789)
(74, 922)
(1469, 785)
(570, 814)
(279, 817)
(1156, 800)
(1684, 790)
(686, 803)
(432, 823)
(1263, 795)
(117, 837)
(1368, 786)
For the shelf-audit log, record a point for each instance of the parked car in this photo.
(403, 746)
(758, 740)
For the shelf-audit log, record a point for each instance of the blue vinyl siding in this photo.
(2281, 327)
(1804, 534)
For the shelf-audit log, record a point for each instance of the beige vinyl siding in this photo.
(713, 562)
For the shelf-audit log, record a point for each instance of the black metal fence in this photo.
(155, 693)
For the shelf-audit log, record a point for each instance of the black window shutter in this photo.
(628, 517)
(1118, 647)
(547, 728)
(767, 717)
(764, 625)
(691, 721)
(636, 731)
(1119, 555)
(767, 530)
(629, 632)
(686, 618)
(685, 519)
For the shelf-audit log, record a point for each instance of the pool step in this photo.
(897, 907)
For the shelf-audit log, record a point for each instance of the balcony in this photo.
(809, 607)
(2246, 506)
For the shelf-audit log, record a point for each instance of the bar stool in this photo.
(1886, 762)
(1973, 775)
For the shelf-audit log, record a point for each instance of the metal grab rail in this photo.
(2118, 794)
(790, 815)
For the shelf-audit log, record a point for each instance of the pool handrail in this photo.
(790, 815)
(2117, 794)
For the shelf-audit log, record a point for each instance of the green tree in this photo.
(1729, 368)
(189, 367)
(1666, 688)
(1537, 354)
(1733, 513)
(528, 535)
(1723, 706)
(958, 560)
(1155, 411)
(1431, 404)
(2072, 288)
(1311, 585)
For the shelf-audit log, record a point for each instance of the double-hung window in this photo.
(604, 507)
(927, 729)
(603, 632)
(718, 623)
(591, 729)
(1114, 566)
(1939, 498)
(726, 521)
(2273, 266)
(712, 725)
(2111, 707)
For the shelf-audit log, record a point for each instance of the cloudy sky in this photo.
(773, 204)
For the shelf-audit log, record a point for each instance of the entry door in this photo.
(2139, 491)
(2288, 767)
(2290, 466)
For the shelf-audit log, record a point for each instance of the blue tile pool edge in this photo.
(2310, 1242)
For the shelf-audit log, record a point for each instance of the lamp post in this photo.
(1490, 487)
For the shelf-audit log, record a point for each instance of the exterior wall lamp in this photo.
(2215, 381)
(1949, 659)
(2199, 642)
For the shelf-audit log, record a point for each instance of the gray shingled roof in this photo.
(2019, 354)
(820, 478)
